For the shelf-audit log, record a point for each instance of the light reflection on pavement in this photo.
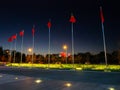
(16, 82)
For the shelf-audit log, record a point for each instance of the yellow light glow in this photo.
(30, 49)
(65, 47)
(38, 81)
(111, 88)
(79, 68)
(68, 84)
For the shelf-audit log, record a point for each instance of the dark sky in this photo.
(23, 14)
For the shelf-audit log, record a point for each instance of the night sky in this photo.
(23, 14)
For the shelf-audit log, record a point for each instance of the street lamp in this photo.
(65, 47)
(30, 51)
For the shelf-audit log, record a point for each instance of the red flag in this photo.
(72, 19)
(14, 36)
(33, 31)
(63, 54)
(10, 39)
(49, 24)
(101, 15)
(21, 33)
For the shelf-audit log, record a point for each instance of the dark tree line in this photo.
(80, 58)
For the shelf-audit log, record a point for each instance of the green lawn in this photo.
(93, 67)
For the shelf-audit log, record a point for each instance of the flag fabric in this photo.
(10, 39)
(72, 19)
(101, 15)
(21, 33)
(49, 24)
(33, 31)
(63, 54)
(14, 36)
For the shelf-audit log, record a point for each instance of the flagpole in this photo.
(33, 48)
(49, 27)
(72, 44)
(15, 49)
(104, 42)
(10, 40)
(10, 53)
(49, 50)
(72, 20)
(22, 47)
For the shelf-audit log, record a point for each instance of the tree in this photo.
(54, 58)
(1, 53)
(88, 56)
(95, 59)
(40, 59)
(114, 57)
(17, 57)
(101, 57)
(23, 58)
(28, 58)
(78, 58)
(118, 56)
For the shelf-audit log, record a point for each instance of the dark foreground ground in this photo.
(25, 79)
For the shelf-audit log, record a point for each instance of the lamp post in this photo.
(30, 51)
(65, 47)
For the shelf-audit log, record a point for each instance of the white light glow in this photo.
(16, 78)
(29, 49)
(38, 81)
(111, 88)
(68, 84)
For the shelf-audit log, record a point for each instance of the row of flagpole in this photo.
(72, 21)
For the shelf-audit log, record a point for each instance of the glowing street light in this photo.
(38, 81)
(30, 50)
(111, 88)
(65, 47)
(68, 84)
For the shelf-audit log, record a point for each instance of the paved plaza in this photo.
(13, 81)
